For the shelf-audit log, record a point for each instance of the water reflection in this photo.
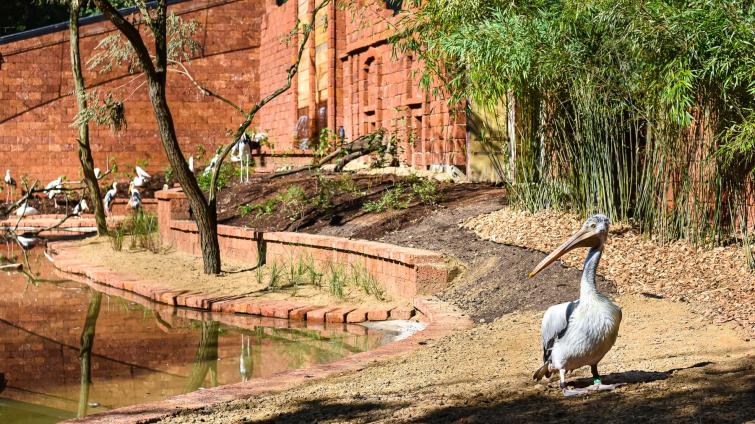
(85, 352)
(68, 350)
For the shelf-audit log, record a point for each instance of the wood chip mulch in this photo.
(716, 281)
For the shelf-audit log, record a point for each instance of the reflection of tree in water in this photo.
(206, 358)
(85, 352)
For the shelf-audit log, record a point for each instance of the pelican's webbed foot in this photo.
(575, 392)
(599, 387)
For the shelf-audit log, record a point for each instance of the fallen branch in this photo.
(364, 145)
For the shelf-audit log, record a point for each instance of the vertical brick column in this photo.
(172, 205)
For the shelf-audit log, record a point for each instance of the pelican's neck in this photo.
(587, 286)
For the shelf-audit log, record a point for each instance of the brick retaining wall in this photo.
(402, 271)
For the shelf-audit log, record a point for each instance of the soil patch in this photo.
(679, 369)
(495, 280)
(333, 203)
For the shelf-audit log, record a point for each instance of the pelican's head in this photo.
(593, 234)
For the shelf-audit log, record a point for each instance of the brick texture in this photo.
(244, 57)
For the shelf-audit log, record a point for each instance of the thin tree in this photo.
(85, 151)
(155, 69)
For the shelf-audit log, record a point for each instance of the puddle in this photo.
(139, 352)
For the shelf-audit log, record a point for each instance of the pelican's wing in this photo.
(555, 323)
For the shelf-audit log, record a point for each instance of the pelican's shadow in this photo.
(632, 377)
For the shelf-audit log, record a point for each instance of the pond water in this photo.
(67, 350)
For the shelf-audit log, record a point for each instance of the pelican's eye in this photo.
(593, 225)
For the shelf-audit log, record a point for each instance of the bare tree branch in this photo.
(202, 89)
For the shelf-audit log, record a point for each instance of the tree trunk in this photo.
(85, 152)
(205, 213)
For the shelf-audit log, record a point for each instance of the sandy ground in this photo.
(483, 375)
(677, 364)
(184, 271)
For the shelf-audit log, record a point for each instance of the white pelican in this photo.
(142, 173)
(109, 197)
(26, 210)
(579, 333)
(80, 207)
(27, 240)
(135, 198)
(10, 183)
(52, 188)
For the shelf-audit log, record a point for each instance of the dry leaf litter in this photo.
(716, 281)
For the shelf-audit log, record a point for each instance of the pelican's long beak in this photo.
(589, 237)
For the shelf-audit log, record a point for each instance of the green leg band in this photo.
(596, 381)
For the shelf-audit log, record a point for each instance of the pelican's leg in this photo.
(596, 380)
(568, 392)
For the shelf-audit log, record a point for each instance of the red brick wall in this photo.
(244, 57)
(36, 106)
(278, 118)
(379, 91)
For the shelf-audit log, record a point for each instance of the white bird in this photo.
(191, 164)
(9, 183)
(80, 207)
(27, 241)
(52, 188)
(142, 173)
(579, 333)
(209, 167)
(109, 197)
(241, 153)
(97, 173)
(135, 198)
(138, 181)
(26, 210)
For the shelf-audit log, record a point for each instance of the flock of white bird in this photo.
(55, 188)
(240, 153)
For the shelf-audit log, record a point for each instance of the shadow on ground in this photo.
(715, 393)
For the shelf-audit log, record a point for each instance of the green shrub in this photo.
(393, 199)
(361, 277)
(265, 208)
(116, 236)
(425, 190)
(225, 176)
(143, 231)
(336, 280)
